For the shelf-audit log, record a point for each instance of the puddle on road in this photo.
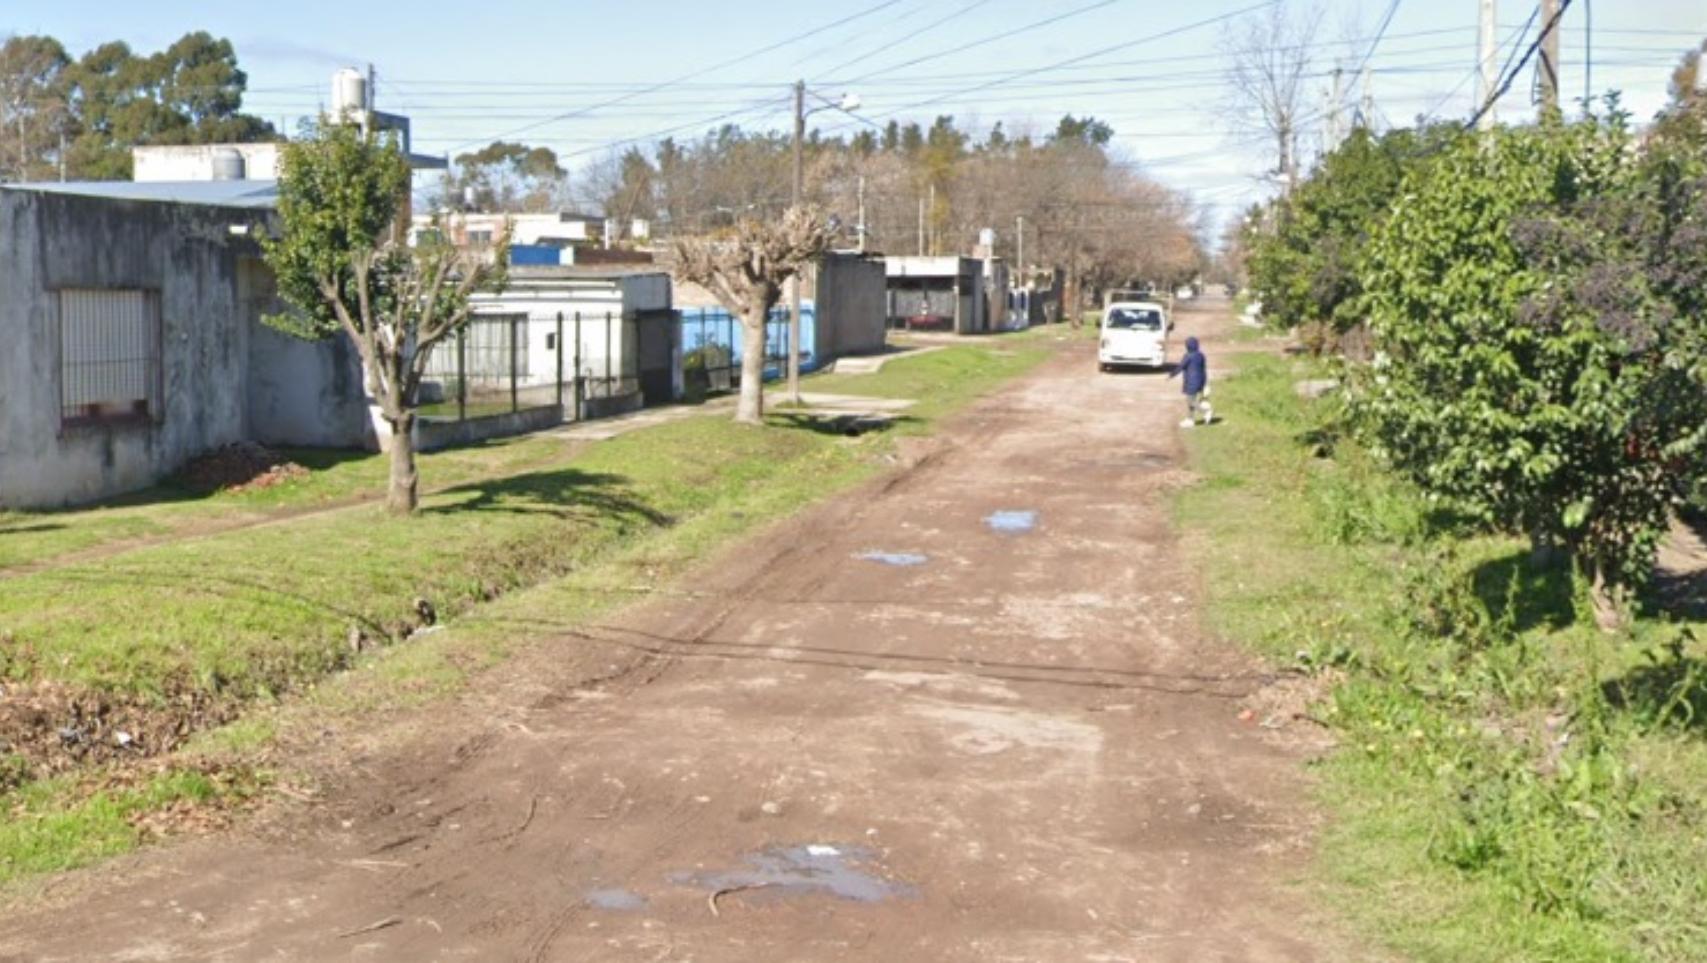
(798, 870)
(615, 899)
(1012, 522)
(897, 559)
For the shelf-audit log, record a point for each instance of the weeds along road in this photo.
(964, 713)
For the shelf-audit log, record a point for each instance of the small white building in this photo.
(556, 229)
(206, 162)
(612, 335)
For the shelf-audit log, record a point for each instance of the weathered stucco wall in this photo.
(224, 375)
(299, 393)
(188, 255)
(851, 305)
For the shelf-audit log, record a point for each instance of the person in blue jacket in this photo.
(1194, 368)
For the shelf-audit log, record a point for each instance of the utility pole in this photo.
(1336, 96)
(1366, 109)
(1019, 253)
(933, 221)
(1488, 64)
(794, 282)
(861, 231)
(1548, 68)
(921, 225)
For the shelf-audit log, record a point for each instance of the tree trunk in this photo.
(402, 496)
(1607, 598)
(750, 410)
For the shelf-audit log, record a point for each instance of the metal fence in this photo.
(504, 364)
(712, 347)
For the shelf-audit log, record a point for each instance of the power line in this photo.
(1505, 85)
(1045, 22)
(696, 73)
(1380, 32)
(927, 28)
(1016, 75)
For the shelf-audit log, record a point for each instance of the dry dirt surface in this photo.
(965, 713)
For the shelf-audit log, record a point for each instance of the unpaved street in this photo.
(966, 713)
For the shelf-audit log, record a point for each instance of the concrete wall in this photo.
(851, 304)
(305, 394)
(187, 254)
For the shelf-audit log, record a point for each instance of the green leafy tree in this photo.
(1305, 255)
(189, 93)
(34, 114)
(1541, 350)
(505, 176)
(341, 263)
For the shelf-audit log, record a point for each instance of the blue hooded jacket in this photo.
(1195, 367)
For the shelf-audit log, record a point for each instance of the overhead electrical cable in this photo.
(662, 85)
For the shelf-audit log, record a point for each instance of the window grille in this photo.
(109, 355)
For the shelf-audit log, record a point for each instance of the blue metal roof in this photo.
(258, 195)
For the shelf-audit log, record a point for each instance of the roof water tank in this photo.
(349, 94)
(228, 165)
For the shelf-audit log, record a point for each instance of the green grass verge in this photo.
(1511, 784)
(59, 824)
(167, 511)
(507, 559)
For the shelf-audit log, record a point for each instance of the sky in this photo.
(586, 76)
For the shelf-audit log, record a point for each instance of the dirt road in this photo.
(964, 714)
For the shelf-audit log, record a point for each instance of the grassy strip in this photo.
(1512, 783)
(168, 510)
(509, 560)
(58, 824)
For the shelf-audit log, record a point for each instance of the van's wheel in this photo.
(1102, 367)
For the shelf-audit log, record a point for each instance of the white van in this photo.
(1134, 333)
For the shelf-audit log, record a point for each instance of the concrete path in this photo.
(965, 713)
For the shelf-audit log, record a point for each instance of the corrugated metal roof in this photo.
(256, 195)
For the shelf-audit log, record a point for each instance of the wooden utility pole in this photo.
(1488, 66)
(1547, 69)
(794, 282)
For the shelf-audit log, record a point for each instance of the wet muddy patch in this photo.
(895, 559)
(615, 900)
(1011, 521)
(841, 872)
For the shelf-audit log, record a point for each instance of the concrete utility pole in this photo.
(1336, 96)
(1548, 67)
(921, 226)
(1019, 252)
(933, 221)
(1487, 60)
(794, 282)
(861, 231)
(1366, 109)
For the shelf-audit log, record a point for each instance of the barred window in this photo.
(109, 355)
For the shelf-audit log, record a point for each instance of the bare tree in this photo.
(1269, 60)
(746, 269)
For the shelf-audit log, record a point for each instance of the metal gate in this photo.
(656, 333)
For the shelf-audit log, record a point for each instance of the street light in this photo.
(848, 104)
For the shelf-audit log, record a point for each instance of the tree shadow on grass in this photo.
(1524, 593)
(1670, 689)
(849, 425)
(563, 493)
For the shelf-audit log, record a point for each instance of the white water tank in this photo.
(228, 164)
(349, 95)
